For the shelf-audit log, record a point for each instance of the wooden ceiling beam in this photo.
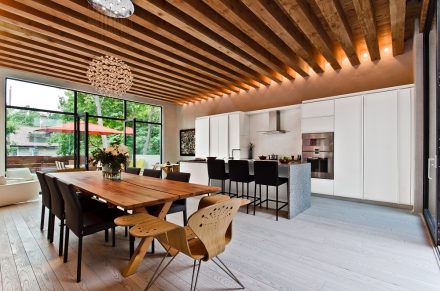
(269, 12)
(135, 36)
(16, 24)
(335, 17)
(29, 9)
(189, 16)
(301, 13)
(397, 19)
(239, 15)
(33, 69)
(151, 29)
(56, 67)
(68, 56)
(423, 15)
(367, 20)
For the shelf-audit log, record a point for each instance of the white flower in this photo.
(108, 149)
(114, 152)
(123, 149)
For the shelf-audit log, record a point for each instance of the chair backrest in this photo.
(210, 224)
(266, 172)
(60, 165)
(238, 170)
(156, 166)
(216, 169)
(135, 171)
(72, 207)
(179, 176)
(45, 192)
(56, 199)
(152, 173)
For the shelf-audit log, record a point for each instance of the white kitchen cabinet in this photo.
(318, 109)
(381, 146)
(322, 186)
(348, 148)
(404, 145)
(318, 124)
(202, 137)
(223, 136)
(239, 134)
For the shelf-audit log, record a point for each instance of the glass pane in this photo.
(129, 140)
(100, 106)
(24, 94)
(432, 183)
(144, 112)
(148, 145)
(35, 140)
(104, 132)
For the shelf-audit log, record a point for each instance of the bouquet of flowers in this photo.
(112, 159)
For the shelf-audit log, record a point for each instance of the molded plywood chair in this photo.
(203, 239)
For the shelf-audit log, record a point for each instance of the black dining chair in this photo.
(152, 173)
(216, 171)
(45, 203)
(266, 173)
(83, 223)
(177, 206)
(57, 203)
(239, 173)
(135, 171)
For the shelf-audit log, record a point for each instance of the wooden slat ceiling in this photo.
(183, 51)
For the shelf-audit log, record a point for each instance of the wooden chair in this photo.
(203, 239)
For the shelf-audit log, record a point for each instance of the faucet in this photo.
(232, 153)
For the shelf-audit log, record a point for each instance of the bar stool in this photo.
(266, 173)
(239, 173)
(216, 171)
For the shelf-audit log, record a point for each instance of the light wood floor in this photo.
(335, 245)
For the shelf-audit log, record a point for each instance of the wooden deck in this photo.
(334, 245)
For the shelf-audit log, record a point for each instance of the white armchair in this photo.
(21, 186)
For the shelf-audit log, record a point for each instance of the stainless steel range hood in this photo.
(274, 123)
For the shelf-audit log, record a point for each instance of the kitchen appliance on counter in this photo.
(317, 149)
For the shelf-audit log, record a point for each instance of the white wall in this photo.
(286, 144)
(170, 127)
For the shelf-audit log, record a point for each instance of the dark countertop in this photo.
(250, 161)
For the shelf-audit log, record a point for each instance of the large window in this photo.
(40, 126)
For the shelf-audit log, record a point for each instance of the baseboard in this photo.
(380, 203)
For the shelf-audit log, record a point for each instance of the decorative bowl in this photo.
(284, 161)
(262, 157)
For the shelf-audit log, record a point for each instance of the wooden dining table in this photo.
(134, 192)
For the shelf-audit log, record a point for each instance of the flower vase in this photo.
(109, 173)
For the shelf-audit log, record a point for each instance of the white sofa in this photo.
(21, 186)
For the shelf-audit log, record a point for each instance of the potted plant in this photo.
(112, 158)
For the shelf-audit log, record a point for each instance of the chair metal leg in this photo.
(255, 197)
(236, 188)
(126, 231)
(225, 269)
(113, 236)
(60, 248)
(247, 197)
(43, 210)
(193, 288)
(78, 266)
(260, 195)
(66, 245)
(229, 188)
(157, 273)
(131, 239)
(106, 235)
(267, 197)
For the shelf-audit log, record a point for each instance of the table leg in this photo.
(144, 244)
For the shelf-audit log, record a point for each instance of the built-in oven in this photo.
(317, 149)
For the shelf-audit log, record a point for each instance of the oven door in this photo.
(321, 164)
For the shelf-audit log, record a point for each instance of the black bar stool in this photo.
(266, 173)
(216, 171)
(239, 173)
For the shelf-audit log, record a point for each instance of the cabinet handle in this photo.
(431, 162)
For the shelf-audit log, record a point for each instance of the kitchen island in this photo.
(298, 188)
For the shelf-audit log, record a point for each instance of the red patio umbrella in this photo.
(69, 127)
